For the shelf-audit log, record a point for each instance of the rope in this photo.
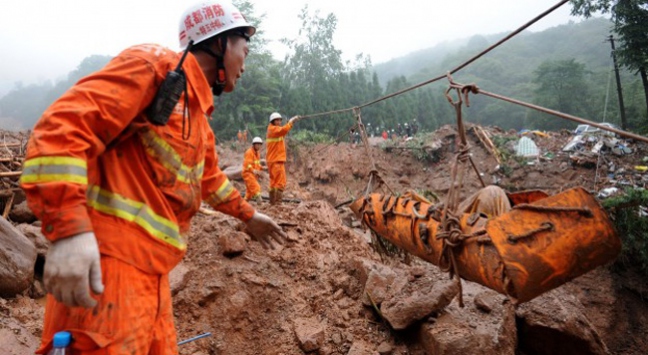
(373, 173)
(585, 212)
(451, 233)
(328, 113)
(458, 68)
(475, 90)
(451, 237)
(545, 226)
(337, 139)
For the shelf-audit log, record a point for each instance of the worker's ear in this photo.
(216, 46)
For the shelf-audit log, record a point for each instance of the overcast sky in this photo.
(46, 39)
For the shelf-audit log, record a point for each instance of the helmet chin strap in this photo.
(219, 85)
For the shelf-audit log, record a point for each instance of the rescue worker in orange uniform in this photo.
(276, 155)
(251, 170)
(244, 135)
(116, 192)
(239, 137)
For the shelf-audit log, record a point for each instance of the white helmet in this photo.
(207, 19)
(257, 140)
(274, 116)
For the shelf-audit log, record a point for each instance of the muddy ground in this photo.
(308, 296)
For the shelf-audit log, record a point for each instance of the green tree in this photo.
(630, 18)
(561, 86)
(314, 57)
(315, 69)
(257, 92)
(375, 112)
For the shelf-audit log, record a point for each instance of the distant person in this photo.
(384, 135)
(252, 170)
(408, 131)
(276, 155)
(414, 128)
(352, 135)
(244, 138)
(356, 137)
(115, 181)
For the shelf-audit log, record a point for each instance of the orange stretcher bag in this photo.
(538, 245)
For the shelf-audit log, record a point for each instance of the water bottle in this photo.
(62, 341)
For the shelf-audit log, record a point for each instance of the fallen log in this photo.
(10, 173)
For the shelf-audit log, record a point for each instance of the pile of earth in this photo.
(311, 295)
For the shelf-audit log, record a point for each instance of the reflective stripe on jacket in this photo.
(276, 149)
(95, 163)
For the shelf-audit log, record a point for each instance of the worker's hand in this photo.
(72, 264)
(264, 230)
(294, 119)
(258, 174)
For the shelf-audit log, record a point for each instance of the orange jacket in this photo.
(251, 161)
(276, 149)
(95, 163)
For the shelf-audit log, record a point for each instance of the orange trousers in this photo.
(277, 172)
(252, 187)
(132, 317)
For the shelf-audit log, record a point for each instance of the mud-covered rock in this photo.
(233, 244)
(178, 278)
(378, 285)
(319, 212)
(361, 348)
(417, 300)
(309, 333)
(34, 234)
(385, 348)
(17, 258)
(555, 323)
(234, 172)
(324, 173)
(457, 330)
(20, 213)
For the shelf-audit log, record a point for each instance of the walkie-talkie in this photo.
(168, 94)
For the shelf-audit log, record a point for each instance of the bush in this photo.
(502, 143)
(631, 220)
(306, 137)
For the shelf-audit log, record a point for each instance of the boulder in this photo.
(463, 330)
(417, 301)
(17, 259)
(34, 234)
(20, 213)
(178, 278)
(234, 172)
(555, 323)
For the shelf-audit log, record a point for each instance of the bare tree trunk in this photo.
(644, 80)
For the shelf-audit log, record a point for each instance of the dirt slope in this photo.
(308, 295)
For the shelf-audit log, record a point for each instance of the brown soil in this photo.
(254, 302)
